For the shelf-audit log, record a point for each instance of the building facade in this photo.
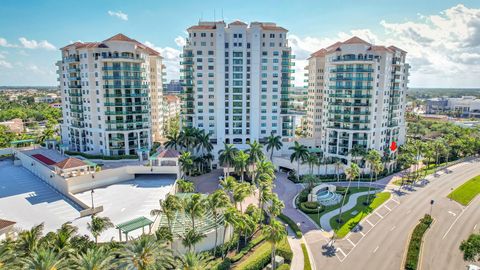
(236, 80)
(174, 87)
(466, 106)
(111, 96)
(356, 96)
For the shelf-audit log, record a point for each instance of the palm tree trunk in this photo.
(273, 256)
(369, 187)
(271, 155)
(343, 202)
(216, 236)
(298, 169)
(223, 240)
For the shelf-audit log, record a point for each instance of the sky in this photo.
(442, 37)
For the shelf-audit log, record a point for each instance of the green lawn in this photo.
(329, 208)
(363, 210)
(465, 193)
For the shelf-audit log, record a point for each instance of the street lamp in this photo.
(91, 194)
(318, 214)
(431, 206)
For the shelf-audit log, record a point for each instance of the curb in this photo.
(419, 263)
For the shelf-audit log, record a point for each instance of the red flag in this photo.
(393, 146)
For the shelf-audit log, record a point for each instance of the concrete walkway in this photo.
(296, 246)
(352, 201)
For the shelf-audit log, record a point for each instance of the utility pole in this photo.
(431, 206)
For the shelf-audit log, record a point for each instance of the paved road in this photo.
(384, 246)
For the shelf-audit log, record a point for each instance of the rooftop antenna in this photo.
(214, 16)
(222, 15)
(201, 17)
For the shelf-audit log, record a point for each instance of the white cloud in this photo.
(180, 41)
(118, 14)
(33, 44)
(443, 49)
(4, 43)
(171, 59)
(5, 64)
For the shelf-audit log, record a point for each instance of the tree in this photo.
(194, 261)
(471, 248)
(372, 158)
(357, 153)
(194, 207)
(226, 156)
(231, 218)
(98, 225)
(186, 163)
(29, 241)
(44, 259)
(338, 166)
(274, 233)
(185, 186)
(240, 163)
(229, 184)
(204, 142)
(191, 237)
(217, 202)
(351, 173)
(189, 138)
(95, 258)
(169, 208)
(173, 140)
(145, 253)
(240, 192)
(276, 206)
(274, 143)
(255, 153)
(312, 160)
(300, 154)
(310, 180)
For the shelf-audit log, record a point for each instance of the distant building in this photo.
(173, 87)
(298, 98)
(466, 106)
(171, 107)
(56, 105)
(14, 125)
(50, 98)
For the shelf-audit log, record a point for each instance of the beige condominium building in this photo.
(356, 96)
(236, 79)
(111, 96)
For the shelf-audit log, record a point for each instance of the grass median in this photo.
(465, 193)
(361, 211)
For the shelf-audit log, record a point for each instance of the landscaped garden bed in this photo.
(465, 193)
(415, 244)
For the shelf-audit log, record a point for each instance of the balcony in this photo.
(76, 102)
(350, 87)
(124, 77)
(351, 104)
(76, 110)
(352, 70)
(120, 95)
(125, 128)
(74, 86)
(74, 78)
(121, 57)
(189, 62)
(119, 104)
(71, 59)
(365, 79)
(123, 68)
(126, 112)
(125, 86)
(359, 121)
(348, 128)
(75, 94)
(350, 58)
(132, 121)
(349, 96)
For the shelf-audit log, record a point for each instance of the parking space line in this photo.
(368, 221)
(387, 208)
(378, 214)
(348, 239)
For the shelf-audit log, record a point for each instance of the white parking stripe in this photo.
(378, 214)
(368, 221)
(353, 244)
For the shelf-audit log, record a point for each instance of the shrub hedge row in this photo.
(307, 210)
(262, 256)
(291, 224)
(253, 243)
(415, 244)
(284, 266)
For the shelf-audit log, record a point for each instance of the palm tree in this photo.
(241, 163)
(231, 218)
(164, 233)
(194, 261)
(63, 237)
(372, 157)
(185, 186)
(98, 225)
(357, 153)
(95, 258)
(377, 169)
(6, 254)
(194, 207)
(217, 202)
(300, 154)
(351, 173)
(191, 237)
(204, 142)
(240, 192)
(274, 233)
(169, 208)
(173, 140)
(312, 160)
(227, 156)
(338, 166)
(29, 241)
(255, 153)
(229, 184)
(276, 206)
(146, 253)
(274, 143)
(189, 137)
(186, 163)
(44, 259)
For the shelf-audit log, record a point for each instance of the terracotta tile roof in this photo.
(380, 49)
(393, 48)
(6, 223)
(273, 28)
(237, 23)
(320, 52)
(169, 153)
(202, 27)
(355, 40)
(70, 163)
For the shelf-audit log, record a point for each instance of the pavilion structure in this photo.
(71, 167)
(132, 225)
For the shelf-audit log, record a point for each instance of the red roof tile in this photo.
(202, 27)
(396, 49)
(70, 163)
(355, 40)
(169, 153)
(237, 23)
(6, 223)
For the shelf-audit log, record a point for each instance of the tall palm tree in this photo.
(185, 186)
(227, 156)
(204, 143)
(300, 154)
(173, 141)
(145, 253)
(194, 261)
(44, 259)
(338, 166)
(186, 163)
(265, 167)
(240, 192)
(29, 241)
(229, 184)
(351, 173)
(357, 153)
(217, 202)
(274, 233)
(255, 153)
(191, 237)
(241, 163)
(164, 233)
(274, 143)
(169, 208)
(95, 258)
(98, 225)
(312, 160)
(372, 157)
(194, 207)
(231, 218)
(276, 206)
(189, 138)
(377, 169)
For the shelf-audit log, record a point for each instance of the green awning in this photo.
(133, 224)
(23, 141)
(89, 163)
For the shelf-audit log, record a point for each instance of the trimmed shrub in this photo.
(259, 259)
(303, 196)
(291, 224)
(308, 210)
(284, 250)
(342, 190)
(311, 205)
(292, 176)
(415, 244)
(224, 265)
(253, 243)
(284, 266)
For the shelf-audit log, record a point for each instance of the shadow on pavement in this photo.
(329, 250)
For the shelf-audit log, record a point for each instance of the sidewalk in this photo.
(295, 244)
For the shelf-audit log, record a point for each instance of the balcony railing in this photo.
(118, 104)
(126, 112)
(365, 79)
(126, 95)
(352, 70)
(123, 68)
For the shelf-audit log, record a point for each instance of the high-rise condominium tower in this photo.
(356, 96)
(236, 81)
(111, 96)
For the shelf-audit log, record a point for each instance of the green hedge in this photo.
(308, 210)
(284, 250)
(303, 196)
(253, 243)
(284, 266)
(263, 254)
(70, 153)
(291, 224)
(306, 258)
(415, 244)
